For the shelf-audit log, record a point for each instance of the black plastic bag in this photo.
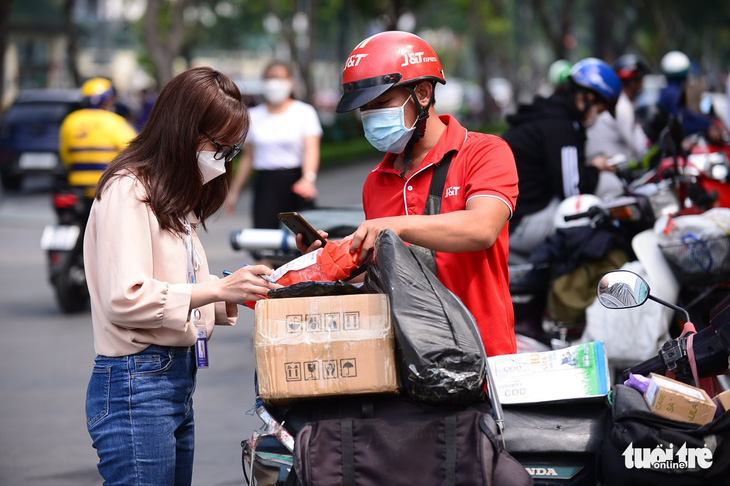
(439, 349)
(316, 289)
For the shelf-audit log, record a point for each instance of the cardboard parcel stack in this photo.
(576, 372)
(678, 401)
(319, 346)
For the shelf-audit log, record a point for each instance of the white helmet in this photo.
(675, 64)
(574, 205)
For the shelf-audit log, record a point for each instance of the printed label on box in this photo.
(293, 371)
(352, 321)
(294, 323)
(332, 321)
(321, 369)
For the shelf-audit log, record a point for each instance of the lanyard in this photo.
(193, 255)
(201, 344)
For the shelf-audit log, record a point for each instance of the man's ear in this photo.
(424, 90)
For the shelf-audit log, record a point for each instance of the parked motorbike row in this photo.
(681, 183)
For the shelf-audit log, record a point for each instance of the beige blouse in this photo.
(137, 276)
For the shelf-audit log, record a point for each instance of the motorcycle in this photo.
(697, 169)
(558, 443)
(63, 243)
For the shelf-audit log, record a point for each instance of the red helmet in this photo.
(383, 61)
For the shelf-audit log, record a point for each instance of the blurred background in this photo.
(495, 52)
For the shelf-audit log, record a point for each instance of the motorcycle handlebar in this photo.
(711, 357)
(651, 365)
(253, 239)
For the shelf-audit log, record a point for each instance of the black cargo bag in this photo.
(440, 354)
(638, 434)
(394, 441)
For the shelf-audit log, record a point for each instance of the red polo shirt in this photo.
(483, 167)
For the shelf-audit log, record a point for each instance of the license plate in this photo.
(39, 160)
(59, 238)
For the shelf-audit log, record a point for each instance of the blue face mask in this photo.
(385, 128)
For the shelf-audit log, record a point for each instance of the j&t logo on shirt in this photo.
(452, 191)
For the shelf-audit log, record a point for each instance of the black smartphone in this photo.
(297, 224)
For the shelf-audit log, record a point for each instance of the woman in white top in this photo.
(283, 147)
(154, 302)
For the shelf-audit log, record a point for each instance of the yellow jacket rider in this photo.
(91, 137)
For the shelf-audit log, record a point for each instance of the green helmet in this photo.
(558, 72)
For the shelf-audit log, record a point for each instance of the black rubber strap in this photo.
(348, 453)
(450, 440)
(433, 206)
(438, 181)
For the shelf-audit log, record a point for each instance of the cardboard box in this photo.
(572, 373)
(723, 400)
(678, 401)
(319, 346)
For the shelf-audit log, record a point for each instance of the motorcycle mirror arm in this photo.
(671, 306)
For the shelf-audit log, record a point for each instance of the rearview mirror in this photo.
(622, 289)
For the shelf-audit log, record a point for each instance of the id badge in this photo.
(201, 344)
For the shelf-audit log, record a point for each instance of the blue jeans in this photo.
(139, 412)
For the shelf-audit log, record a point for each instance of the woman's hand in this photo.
(305, 188)
(247, 283)
(230, 204)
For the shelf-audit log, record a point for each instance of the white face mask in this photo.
(210, 168)
(277, 90)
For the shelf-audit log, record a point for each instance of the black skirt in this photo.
(273, 194)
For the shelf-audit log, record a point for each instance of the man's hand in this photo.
(363, 239)
(601, 163)
(314, 246)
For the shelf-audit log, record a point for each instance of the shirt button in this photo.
(410, 188)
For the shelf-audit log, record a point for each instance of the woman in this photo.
(149, 281)
(283, 147)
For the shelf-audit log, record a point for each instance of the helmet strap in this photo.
(419, 132)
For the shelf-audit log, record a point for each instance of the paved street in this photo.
(46, 357)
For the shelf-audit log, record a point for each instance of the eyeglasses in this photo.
(224, 151)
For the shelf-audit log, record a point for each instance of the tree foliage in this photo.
(485, 37)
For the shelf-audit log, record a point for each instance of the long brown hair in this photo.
(194, 105)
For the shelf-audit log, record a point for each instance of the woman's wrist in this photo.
(309, 176)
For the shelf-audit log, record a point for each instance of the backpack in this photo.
(390, 440)
(637, 433)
